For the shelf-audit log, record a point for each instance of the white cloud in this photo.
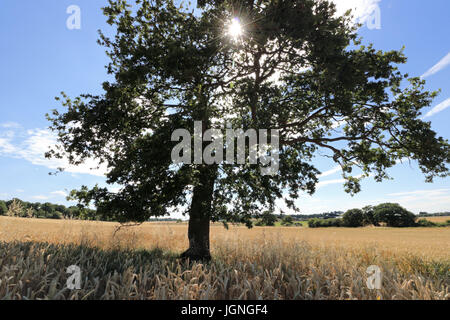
(31, 146)
(6, 147)
(328, 182)
(423, 200)
(438, 67)
(330, 172)
(40, 197)
(53, 194)
(440, 107)
(422, 193)
(336, 181)
(59, 193)
(10, 125)
(362, 10)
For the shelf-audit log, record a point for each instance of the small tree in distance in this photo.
(3, 208)
(296, 67)
(267, 219)
(29, 212)
(393, 215)
(15, 209)
(287, 221)
(353, 218)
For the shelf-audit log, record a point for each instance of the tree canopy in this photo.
(393, 215)
(353, 218)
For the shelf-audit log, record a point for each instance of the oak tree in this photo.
(291, 65)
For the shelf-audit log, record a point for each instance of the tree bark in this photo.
(200, 217)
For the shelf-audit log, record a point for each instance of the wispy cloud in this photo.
(336, 181)
(10, 125)
(419, 200)
(328, 182)
(421, 193)
(31, 146)
(438, 67)
(40, 197)
(361, 9)
(440, 107)
(53, 194)
(330, 172)
(59, 193)
(6, 147)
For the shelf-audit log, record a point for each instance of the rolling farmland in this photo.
(141, 262)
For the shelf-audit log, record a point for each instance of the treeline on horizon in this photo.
(385, 214)
(19, 208)
(388, 214)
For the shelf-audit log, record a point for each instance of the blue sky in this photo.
(41, 57)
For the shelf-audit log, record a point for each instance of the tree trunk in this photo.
(200, 216)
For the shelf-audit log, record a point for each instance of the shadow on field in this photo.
(39, 270)
(91, 257)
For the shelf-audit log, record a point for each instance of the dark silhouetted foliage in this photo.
(353, 218)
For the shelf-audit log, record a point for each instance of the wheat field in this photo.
(141, 262)
(438, 219)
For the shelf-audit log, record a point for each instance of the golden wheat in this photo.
(438, 219)
(262, 263)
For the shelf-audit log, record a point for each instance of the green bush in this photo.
(267, 219)
(55, 215)
(394, 215)
(353, 218)
(428, 223)
(444, 224)
(425, 223)
(325, 223)
(287, 221)
(3, 208)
